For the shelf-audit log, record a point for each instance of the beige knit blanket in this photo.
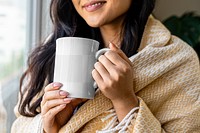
(167, 81)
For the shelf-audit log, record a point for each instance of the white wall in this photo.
(166, 8)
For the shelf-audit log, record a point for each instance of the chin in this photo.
(95, 23)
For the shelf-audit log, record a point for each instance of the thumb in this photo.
(120, 52)
(113, 47)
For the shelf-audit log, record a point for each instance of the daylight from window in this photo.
(12, 36)
(12, 47)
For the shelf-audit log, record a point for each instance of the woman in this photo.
(148, 82)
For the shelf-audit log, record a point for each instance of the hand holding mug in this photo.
(56, 108)
(114, 76)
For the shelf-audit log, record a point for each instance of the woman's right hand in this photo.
(56, 108)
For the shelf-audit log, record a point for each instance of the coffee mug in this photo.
(74, 62)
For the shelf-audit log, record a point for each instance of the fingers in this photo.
(120, 52)
(52, 86)
(56, 107)
(102, 70)
(52, 92)
(116, 59)
(50, 115)
(53, 104)
(97, 77)
(54, 95)
(111, 66)
(106, 63)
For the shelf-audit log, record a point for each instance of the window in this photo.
(12, 53)
(23, 24)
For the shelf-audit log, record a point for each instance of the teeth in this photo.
(96, 4)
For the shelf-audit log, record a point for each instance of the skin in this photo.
(113, 72)
(109, 18)
(56, 107)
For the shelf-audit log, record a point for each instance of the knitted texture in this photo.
(166, 78)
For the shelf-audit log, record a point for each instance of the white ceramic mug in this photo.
(74, 62)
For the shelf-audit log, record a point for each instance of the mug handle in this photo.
(97, 55)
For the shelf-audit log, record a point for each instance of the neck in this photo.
(112, 33)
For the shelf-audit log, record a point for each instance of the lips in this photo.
(93, 5)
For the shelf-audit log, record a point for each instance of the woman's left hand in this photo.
(114, 76)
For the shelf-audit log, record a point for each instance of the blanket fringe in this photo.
(122, 126)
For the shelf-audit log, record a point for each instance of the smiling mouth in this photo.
(93, 6)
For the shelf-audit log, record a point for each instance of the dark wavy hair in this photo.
(67, 22)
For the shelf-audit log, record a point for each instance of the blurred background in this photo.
(25, 23)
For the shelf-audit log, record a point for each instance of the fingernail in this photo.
(56, 84)
(63, 93)
(110, 44)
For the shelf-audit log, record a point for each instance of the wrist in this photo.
(126, 102)
(124, 106)
(53, 129)
(50, 132)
